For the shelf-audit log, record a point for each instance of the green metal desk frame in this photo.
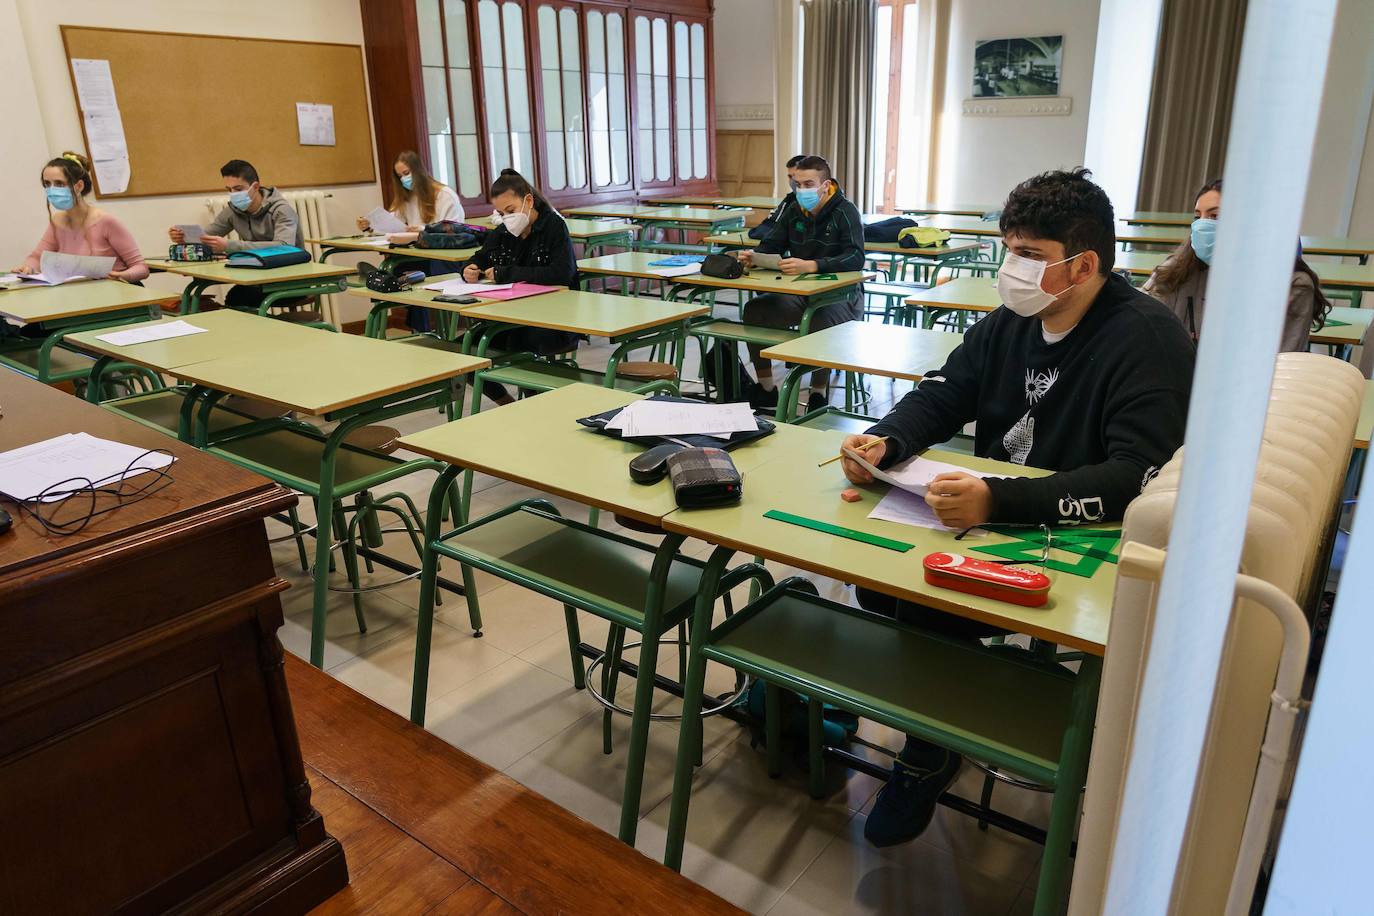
(273, 293)
(42, 350)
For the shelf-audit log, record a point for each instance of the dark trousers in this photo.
(540, 341)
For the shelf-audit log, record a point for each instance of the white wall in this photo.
(39, 132)
(745, 33)
(1342, 154)
(984, 157)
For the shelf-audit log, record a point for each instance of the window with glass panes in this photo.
(582, 97)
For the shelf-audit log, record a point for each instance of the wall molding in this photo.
(1019, 107)
(759, 112)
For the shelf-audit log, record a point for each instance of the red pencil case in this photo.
(988, 580)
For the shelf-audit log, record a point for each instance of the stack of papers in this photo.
(680, 271)
(674, 418)
(160, 331)
(56, 267)
(463, 288)
(905, 503)
(27, 471)
(384, 222)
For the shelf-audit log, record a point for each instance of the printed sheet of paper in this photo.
(56, 267)
(27, 471)
(672, 418)
(383, 222)
(191, 232)
(907, 508)
(161, 331)
(104, 126)
(315, 123)
(914, 474)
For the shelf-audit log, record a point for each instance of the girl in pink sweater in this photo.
(77, 227)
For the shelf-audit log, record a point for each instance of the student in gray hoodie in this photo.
(259, 216)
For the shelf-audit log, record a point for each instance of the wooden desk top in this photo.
(1350, 332)
(641, 213)
(292, 366)
(1364, 427)
(596, 314)
(537, 442)
(220, 272)
(582, 229)
(1157, 218)
(31, 304)
(889, 350)
(202, 484)
(952, 209)
(972, 294)
(938, 252)
(636, 264)
(1079, 609)
(434, 254)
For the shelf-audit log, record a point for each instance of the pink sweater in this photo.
(105, 237)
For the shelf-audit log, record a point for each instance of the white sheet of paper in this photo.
(682, 271)
(94, 84)
(315, 123)
(384, 221)
(670, 418)
(161, 331)
(191, 231)
(56, 267)
(27, 471)
(462, 288)
(375, 240)
(914, 474)
(10, 279)
(105, 132)
(907, 508)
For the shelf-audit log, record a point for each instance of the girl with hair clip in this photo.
(531, 244)
(77, 227)
(1181, 281)
(417, 198)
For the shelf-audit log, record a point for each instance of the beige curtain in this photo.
(1190, 101)
(837, 91)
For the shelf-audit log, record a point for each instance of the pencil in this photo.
(864, 447)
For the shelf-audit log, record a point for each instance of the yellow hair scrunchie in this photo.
(73, 158)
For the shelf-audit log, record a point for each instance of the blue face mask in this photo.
(60, 198)
(241, 200)
(1204, 238)
(809, 198)
(407, 181)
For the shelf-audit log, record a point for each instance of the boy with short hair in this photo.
(819, 231)
(1079, 373)
(766, 225)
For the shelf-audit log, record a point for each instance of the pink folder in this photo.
(519, 291)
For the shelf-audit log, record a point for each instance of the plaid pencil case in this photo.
(703, 477)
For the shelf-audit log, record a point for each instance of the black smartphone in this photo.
(457, 300)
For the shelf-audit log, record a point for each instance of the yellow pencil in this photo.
(864, 447)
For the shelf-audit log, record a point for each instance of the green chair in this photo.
(1010, 709)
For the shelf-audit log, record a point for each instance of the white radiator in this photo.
(1313, 406)
(314, 219)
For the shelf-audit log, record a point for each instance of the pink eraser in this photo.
(851, 495)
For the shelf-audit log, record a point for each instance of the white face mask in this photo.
(515, 223)
(1018, 283)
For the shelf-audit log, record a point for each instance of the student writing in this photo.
(1078, 373)
(530, 244)
(75, 226)
(417, 198)
(1181, 281)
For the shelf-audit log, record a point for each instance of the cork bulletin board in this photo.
(189, 103)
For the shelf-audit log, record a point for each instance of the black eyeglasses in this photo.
(69, 506)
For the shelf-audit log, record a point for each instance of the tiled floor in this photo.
(764, 844)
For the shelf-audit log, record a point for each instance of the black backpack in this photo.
(735, 383)
(451, 234)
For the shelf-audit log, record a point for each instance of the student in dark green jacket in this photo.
(819, 231)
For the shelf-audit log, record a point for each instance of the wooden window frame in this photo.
(887, 202)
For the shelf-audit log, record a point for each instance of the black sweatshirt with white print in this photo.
(1105, 407)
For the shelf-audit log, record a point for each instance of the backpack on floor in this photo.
(735, 383)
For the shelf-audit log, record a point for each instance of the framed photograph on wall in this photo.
(1017, 67)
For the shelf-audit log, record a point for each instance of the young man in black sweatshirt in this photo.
(818, 231)
(1079, 373)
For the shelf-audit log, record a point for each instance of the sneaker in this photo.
(904, 807)
(763, 399)
(816, 401)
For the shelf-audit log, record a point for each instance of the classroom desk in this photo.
(148, 753)
(888, 350)
(1152, 235)
(635, 264)
(596, 235)
(1338, 246)
(354, 380)
(1157, 218)
(1345, 329)
(897, 256)
(932, 209)
(64, 310)
(962, 294)
(683, 219)
(748, 203)
(392, 255)
(1330, 274)
(1364, 427)
(298, 280)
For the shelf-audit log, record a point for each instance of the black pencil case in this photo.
(703, 477)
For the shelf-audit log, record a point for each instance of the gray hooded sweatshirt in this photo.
(274, 223)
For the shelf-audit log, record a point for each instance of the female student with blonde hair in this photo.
(1181, 281)
(416, 198)
(75, 226)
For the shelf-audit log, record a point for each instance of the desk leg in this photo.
(424, 625)
(190, 296)
(1073, 771)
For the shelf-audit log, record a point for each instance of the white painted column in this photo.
(1127, 37)
(1269, 153)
